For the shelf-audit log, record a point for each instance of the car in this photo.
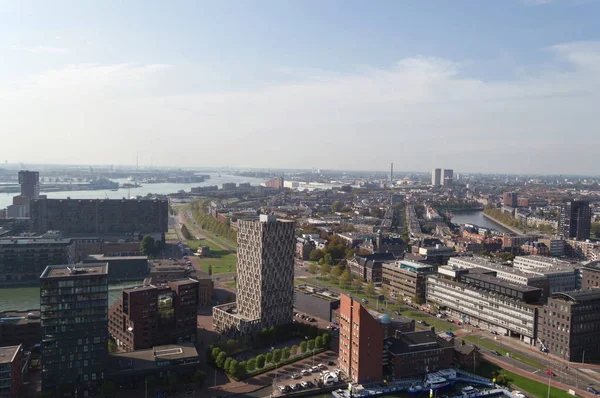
(544, 349)
(550, 373)
(421, 322)
(321, 366)
(295, 387)
(287, 388)
(496, 353)
(518, 394)
(493, 332)
(312, 320)
(310, 384)
(424, 323)
(296, 376)
(364, 301)
(304, 384)
(440, 315)
(592, 390)
(331, 363)
(305, 372)
(314, 369)
(449, 333)
(299, 386)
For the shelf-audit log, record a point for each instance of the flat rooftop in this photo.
(501, 282)
(101, 257)
(20, 317)
(7, 354)
(147, 359)
(72, 271)
(579, 296)
(34, 241)
(414, 342)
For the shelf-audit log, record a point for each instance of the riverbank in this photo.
(511, 229)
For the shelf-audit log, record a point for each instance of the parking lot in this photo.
(304, 378)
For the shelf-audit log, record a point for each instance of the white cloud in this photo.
(42, 50)
(420, 113)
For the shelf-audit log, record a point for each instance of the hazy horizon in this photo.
(493, 87)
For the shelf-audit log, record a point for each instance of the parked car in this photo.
(305, 372)
(496, 353)
(296, 376)
(314, 369)
(493, 332)
(331, 363)
(592, 390)
(304, 384)
(322, 367)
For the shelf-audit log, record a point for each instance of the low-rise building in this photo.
(316, 302)
(535, 248)
(162, 273)
(590, 275)
(467, 355)
(369, 267)
(556, 246)
(437, 254)
(20, 328)
(10, 371)
(406, 278)
(122, 268)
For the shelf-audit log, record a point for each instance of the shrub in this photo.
(260, 361)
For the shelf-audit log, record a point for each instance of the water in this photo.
(28, 298)
(162, 188)
(477, 218)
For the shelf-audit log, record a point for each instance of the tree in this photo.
(418, 299)
(269, 357)
(215, 353)
(260, 361)
(147, 245)
(328, 259)
(318, 342)
(385, 290)
(312, 268)
(210, 270)
(112, 347)
(199, 377)
(294, 349)
(157, 247)
(337, 206)
(232, 367)
(108, 388)
(251, 365)
(345, 278)
(335, 273)
(285, 353)
(221, 360)
(357, 284)
(326, 339)
(350, 253)
(277, 355)
(370, 289)
(226, 364)
(303, 347)
(315, 255)
(311, 345)
(324, 269)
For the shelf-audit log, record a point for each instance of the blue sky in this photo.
(506, 86)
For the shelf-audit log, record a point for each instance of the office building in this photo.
(149, 315)
(122, 268)
(100, 216)
(510, 199)
(416, 353)
(590, 275)
(265, 278)
(436, 177)
(361, 342)
(24, 259)
(569, 325)
(561, 276)
(20, 328)
(483, 299)
(74, 309)
(10, 371)
(30, 184)
(447, 177)
(575, 220)
(406, 278)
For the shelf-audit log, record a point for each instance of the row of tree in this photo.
(208, 222)
(341, 275)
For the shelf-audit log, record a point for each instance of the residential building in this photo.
(100, 216)
(467, 355)
(229, 186)
(10, 371)
(438, 254)
(361, 342)
(447, 177)
(436, 177)
(24, 259)
(30, 184)
(535, 248)
(74, 309)
(265, 279)
(369, 267)
(304, 247)
(151, 315)
(20, 328)
(275, 183)
(556, 246)
(512, 240)
(384, 243)
(575, 220)
(569, 325)
(415, 354)
(406, 278)
(510, 199)
(486, 300)
(583, 248)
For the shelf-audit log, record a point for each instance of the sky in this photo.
(509, 86)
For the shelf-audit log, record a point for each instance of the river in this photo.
(162, 188)
(476, 217)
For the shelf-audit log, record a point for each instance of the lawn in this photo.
(221, 260)
(231, 284)
(171, 235)
(490, 345)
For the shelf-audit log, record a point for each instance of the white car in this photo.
(305, 372)
(322, 367)
(314, 369)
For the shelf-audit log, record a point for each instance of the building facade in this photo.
(575, 220)
(510, 199)
(561, 276)
(417, 353)
(20, 328)
(369, 267)
(436, 177)
(447, 177)
(74, 322)
(147, 316)
(10, 371)
(590, 276)
(406, 278)
(265, 278)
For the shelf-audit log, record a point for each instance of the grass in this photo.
(171, 235)
(231, 284)
(485, 343)
(221, 260)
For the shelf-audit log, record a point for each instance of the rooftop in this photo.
(414, 342)
(147, 359)
(20, 318)
(83, 270)
(579, 296)
(100, 257)
(7, 354)
(501, 282)
(34, 241)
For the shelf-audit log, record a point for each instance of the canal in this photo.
(476, 217)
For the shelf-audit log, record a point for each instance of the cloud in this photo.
(42, 50)
(420, 112)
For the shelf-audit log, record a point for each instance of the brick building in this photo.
(369, 267)
(10, 371)
(590, 276)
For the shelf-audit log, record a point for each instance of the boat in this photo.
(437, 381)
(469, 391)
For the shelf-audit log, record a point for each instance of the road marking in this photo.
(537, 370)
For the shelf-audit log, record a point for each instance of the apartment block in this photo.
(406, 278)
(265, 278)
(575, 220)
(74, 322)
(436, 177)
(151, 315)
(10, 371)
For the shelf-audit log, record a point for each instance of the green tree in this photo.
(318, 342)
(269, 357)
(337, 206)
(221, 360)
(350, 253)
(251, 365)
(370, 289)
(345, 278)
(108, 388)
(285, 353)
(260, 361)
(198, 377)
(335, 273)
(315, 255)
(328, 259)
(326, 339)
(215, 353)
(230, 367)
(385, 290)
(357, 284)
(210, 270)
(147, 245)
(311, 345)
(324, 269)
(277, 355)
(312, 268)
(112, 347)
(226, 364)
(303, 347)
(418, 300)
(294, 349)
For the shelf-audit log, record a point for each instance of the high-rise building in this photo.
(575, 220)
(30, 184)
(265, 278)
(510, 199)
(447, 177)
(436, 177)
(74, 322)
(10, 371)
(392, 173)
(361, 342)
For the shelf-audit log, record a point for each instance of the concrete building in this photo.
(229, 186)
(406, 278)
(562, 276)
(417, 353)
(447, 177)
(100, 216)
(569, 325)
(436, 177)
(361, 342)
(316, 302)
(30, 183)
(265, 279)
(487, 300)
(438, 254)
(122, 268)
(556, 246)
(10, 371)
(510, 199)
(590, 276)
(149, 315)
(74, 309)
(20, 328)
(575, 220)
(24, 259)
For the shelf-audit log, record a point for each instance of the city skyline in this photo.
(288, 85)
